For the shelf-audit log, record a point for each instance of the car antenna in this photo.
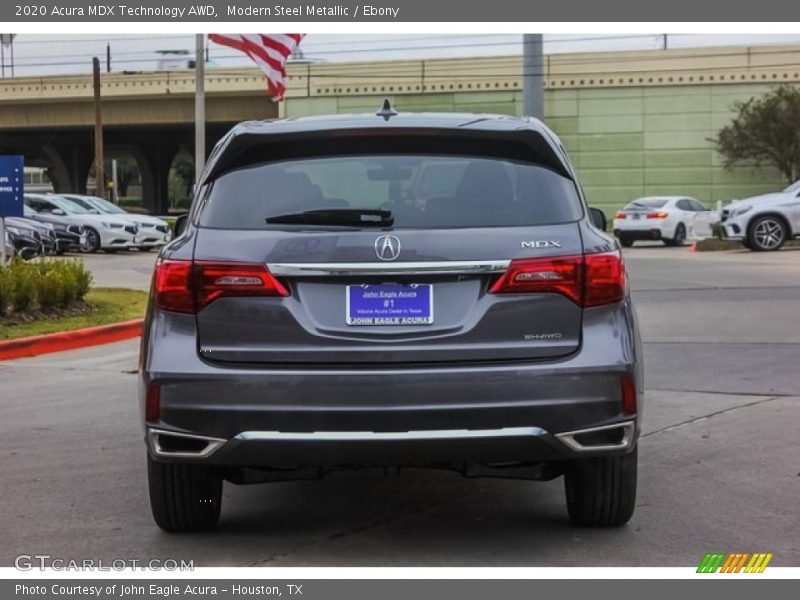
(386, 111)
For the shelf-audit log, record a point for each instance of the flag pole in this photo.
(199, 107)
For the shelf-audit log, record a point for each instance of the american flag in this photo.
(269, 51)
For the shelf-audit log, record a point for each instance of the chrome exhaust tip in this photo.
(618, 436)
(173, 444)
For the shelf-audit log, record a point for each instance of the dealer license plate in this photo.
(389, 304)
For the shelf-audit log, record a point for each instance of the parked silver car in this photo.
(152, 231)
(315, 313)
(764, 223)
(105, 232)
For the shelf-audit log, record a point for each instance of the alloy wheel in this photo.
(769, 234)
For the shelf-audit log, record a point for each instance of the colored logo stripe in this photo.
(711, 562)
(733, 563)
(758, 563)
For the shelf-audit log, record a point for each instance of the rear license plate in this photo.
(636, 216)
(389, 304)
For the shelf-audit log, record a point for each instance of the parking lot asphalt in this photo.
(719, 459)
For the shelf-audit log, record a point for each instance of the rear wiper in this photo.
(357, 217)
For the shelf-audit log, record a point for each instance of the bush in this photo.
(44, 285)
(6, 289)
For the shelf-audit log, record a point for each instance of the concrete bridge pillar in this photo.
(154, 163)
(67, 167)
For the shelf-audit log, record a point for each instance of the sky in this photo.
(62, 54)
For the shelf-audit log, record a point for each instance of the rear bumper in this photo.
(368, 448)
(639, 234)
(391, 416)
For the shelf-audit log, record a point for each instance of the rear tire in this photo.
(679, 238)
(601, 492)
(184, 497)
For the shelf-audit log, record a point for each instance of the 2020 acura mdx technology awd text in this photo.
(402, 289)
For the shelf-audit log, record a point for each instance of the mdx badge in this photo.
(541, 244)
(387, 247)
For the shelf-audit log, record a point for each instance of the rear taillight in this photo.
(187, 287)
(657, 215)
(591, 280)
(619, 215)
(628, 395)
(152, 405)
(217, 279)
(172, 288)
(604, 279)
(560, 275)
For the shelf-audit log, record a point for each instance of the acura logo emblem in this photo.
(387, 247)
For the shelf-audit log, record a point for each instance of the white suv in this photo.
(764, 223)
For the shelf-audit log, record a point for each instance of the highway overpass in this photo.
(636, 123)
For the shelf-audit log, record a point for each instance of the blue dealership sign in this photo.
(11, 185)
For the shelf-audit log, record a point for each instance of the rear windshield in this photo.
(420, 191)
(646, 203)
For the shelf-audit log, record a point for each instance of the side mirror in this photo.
(58, 212)
(598, 218)
(180, 224)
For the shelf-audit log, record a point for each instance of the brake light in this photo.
(561, 275)
(628, 395)
(605, 279)
(217, 279)
(152, 405)
(591, 280)
(657, 215)
(620, 215)
(172, 286)
(187, 287)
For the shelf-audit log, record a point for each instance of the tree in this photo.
(181, 177)
(127, 173)
(765, 132)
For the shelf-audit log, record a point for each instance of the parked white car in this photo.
(153, 232)
(671, 219)
(105, 232)
(764, 223)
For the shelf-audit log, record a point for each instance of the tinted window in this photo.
(795, 187)
(646, 203)
(39, 205)
(421, 191)
(685, 205)
(70, 206)
(698, 206)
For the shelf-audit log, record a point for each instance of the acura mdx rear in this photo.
(424, 290)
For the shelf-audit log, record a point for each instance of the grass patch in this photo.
(101, 306)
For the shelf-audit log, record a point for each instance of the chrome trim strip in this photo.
(358, 436)
(213, 444)
(444, 267)
(628, 436)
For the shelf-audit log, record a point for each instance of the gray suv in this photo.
(424, 290)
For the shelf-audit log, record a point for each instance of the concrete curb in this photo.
(70, 340)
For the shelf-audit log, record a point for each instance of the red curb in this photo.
(70, 340)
